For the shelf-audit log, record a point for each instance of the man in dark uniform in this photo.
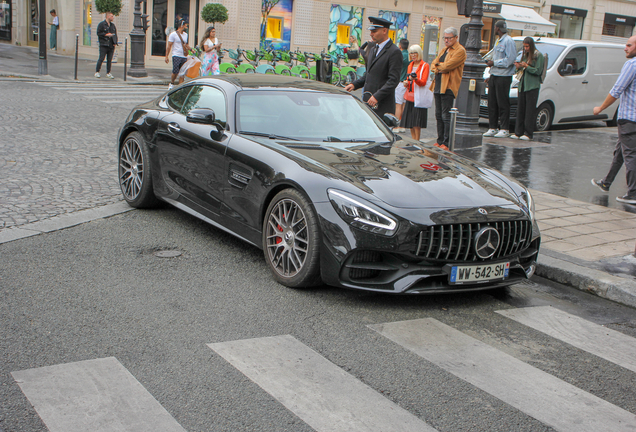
(384, 66)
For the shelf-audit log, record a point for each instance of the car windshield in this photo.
(308, 116)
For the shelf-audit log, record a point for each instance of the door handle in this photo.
(173, 127)
(585, 82)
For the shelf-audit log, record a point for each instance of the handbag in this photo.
(422, 94)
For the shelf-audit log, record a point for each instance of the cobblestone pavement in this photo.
(57, 153)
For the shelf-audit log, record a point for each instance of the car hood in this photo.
(406, 175)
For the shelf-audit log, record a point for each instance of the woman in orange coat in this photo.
(415, 109)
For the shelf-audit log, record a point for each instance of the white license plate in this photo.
(479, 273)
(483, 102)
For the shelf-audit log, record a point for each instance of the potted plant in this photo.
(113, 6)
(214, 13)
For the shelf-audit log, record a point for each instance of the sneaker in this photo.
(108, 75)
(491, 132)
(97, 75)
(602, 186)
(502, 134)
(627, 199)
(443, 147)
(524, 138)
(170, 86)
(513, 137)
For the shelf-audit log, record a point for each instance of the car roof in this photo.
(257, 81)
(568, 42)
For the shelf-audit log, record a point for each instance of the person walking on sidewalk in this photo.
(107, 37)
(625, 151)
(448, 68)
(55, 24)
(502, 67)
(383, 70)
(178, 46)
(529, 70)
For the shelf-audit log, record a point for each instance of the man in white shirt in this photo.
(177, 40)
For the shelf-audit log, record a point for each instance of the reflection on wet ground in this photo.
(560, 162)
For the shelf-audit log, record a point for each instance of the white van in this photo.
(580, 75)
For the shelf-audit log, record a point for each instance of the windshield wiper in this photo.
(336, 139)
(268, 135)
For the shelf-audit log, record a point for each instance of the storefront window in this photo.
(5, 19)
(569, 21)
(618, 25)
(159, 23)
(87, 17)
(34, 19)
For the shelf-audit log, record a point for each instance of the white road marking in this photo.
(603, 342)
(313, 388)
(548, 399)
(93, 395)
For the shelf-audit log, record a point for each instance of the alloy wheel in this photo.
(287, 238)
(131, 169)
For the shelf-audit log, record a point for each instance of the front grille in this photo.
(455, 242)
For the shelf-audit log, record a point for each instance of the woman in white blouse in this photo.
(55, 24)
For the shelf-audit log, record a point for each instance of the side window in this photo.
(176, 99)
(577, 58)
(207, 97)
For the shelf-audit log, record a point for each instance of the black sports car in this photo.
(308, 173)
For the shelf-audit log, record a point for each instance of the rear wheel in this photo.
(135, 172)
(544, 117)
(270, 71)
(285, 72)
(336, 78)
(291, 240)
(304, 74)
(230, 70)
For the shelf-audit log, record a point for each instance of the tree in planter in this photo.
(214, 13)
(113, 6)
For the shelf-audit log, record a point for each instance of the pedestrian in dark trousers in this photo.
(529, 70)
(502, 67)
(384, 66)
(625, 151)
(448, 68)
(107, 37)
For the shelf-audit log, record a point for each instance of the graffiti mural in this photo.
(400, 22)
(276, 24)
(339, 18)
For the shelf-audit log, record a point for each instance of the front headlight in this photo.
(361, 213)
(527, 197)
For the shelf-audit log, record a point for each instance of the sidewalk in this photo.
(584, 245)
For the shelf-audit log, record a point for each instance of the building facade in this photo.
(316, 25)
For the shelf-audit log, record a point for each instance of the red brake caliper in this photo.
(280, 228)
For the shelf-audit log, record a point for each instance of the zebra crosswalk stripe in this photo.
(593, 338)
(548, 399)
(93, 395)
(320, 393)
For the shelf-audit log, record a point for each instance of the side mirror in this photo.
(390, 120)
(567, 70)
(201, 116)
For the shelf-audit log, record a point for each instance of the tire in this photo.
(230, 70)
(291, 240)
(544, 117)
(270, 71)
(135, 172)
(250, 70)
(285, 72)
(304, 74)
(336, 78)
(351, 77)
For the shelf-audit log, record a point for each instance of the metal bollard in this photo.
(125, 56)
(451, 133)
(76, 53)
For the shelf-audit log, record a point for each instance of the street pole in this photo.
(42, 65)
(467, 134)
(138, 43)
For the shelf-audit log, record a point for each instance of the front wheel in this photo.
(544, 117)
(135, 175)
(291, 240)
(351, 77)
(336, 78)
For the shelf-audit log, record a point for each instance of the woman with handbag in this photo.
(417, 97)
(529, 69)
(211, 47)
(353, 52)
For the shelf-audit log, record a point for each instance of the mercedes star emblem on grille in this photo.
(486, 242)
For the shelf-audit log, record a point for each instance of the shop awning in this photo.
(521, 18)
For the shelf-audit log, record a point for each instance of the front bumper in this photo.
(355, 259)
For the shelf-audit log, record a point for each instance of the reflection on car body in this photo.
(311, 175)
